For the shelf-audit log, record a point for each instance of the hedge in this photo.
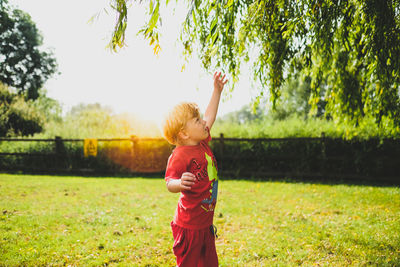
(373, 159)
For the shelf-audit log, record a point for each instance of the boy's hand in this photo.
(187, 180)
(184, 183)
(212, 108)
(219, 81)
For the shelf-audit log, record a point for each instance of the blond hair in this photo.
(177, 118)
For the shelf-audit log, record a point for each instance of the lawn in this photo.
(58, 220)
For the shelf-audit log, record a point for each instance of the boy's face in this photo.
(196, 129)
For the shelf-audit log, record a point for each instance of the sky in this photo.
(134, 80)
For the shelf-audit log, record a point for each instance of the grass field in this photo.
(56, 221)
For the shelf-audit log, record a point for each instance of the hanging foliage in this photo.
(350, 50)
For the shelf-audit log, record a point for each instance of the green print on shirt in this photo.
(212, 176)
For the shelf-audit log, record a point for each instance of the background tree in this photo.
(244, 114)
(50, 108)
(97, 121)
(22, 64)
(348, 49)
(294, 100)
(17, 115)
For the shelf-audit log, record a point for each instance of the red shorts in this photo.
(194, 247)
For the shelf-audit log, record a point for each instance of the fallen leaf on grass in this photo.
(116, 232)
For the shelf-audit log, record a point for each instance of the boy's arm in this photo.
(212, 108)
(185, 183)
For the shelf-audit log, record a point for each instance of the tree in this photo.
(22, 64)
(244, 115)
(88, 121)
(349, 48)
(294, 100)
(18, 117)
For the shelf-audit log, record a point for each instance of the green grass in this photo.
(55, 220)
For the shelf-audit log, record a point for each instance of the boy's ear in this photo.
(182, 135)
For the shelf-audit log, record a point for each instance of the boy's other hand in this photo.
(187, 180)
(219, 81)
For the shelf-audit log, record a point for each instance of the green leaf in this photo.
(210, 8)
(228, 26)
(242, 34)
(215, 38)
(151, 6)
(154, 18)
(214, 51)
(194, 18)
(197, 4)
(229, 4)
(213, 26)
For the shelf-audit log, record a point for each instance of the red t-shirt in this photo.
(196, 206)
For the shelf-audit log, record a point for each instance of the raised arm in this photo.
(212, 108)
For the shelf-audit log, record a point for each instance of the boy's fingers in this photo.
(188, 179)
(189, 174)
(188, 182)
(188, 185)
(185, 187)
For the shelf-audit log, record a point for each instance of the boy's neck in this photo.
(187, 143)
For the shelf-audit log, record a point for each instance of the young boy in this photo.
(192, 170)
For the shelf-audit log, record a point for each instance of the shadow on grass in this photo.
(86, 173)
(321, 180)
(286, 178)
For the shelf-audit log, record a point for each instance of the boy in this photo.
(191, 170)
